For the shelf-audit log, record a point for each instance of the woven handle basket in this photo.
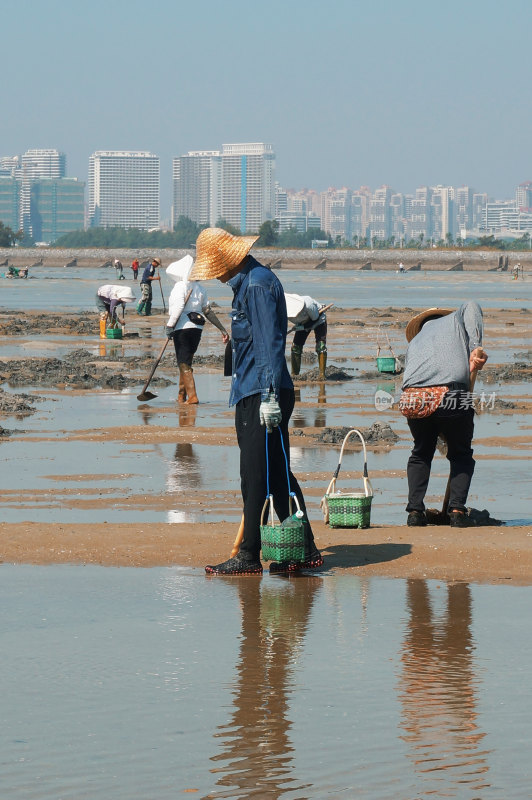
(348, 509)
(282, 542)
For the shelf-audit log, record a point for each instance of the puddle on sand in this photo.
(70, 481)
(311, 687)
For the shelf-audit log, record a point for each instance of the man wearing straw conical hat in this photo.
(261, 391)
(443, 356)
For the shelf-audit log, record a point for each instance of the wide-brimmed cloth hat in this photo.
(294, 305)
(414, 326)
(218, 253)
(114, 292)
(157, 261)
(180, 270)
(126, 294)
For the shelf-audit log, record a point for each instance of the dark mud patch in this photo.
(332, 373)
(484, 405)
(377, 434)
(4, 433)
(19, 405)
(78, 370)
(22, 325)
(520, 371)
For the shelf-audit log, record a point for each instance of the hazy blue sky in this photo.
(349, 93)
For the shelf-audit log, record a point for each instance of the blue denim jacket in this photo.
(258, 333)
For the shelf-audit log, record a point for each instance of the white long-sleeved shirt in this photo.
(198, 301)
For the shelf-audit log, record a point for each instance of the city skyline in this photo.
(237, 183)
(402, 94)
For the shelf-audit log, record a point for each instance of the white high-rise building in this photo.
(248, 185)
(124, 189)
(196, 187)
(43, 164)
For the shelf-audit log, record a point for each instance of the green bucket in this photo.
(113, 333)
(386, 364)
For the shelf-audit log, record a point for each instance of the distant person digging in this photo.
(149, 275)
(119, 269)
(108, 300)
(307, 315)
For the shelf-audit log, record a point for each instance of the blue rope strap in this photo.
(290, 492)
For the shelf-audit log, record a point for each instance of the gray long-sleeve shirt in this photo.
(439, 354)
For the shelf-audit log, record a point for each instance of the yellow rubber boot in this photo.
(322, 363)
(182, 393)
(190, 386)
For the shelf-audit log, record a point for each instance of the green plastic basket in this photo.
(385, 364)
(113, 333)
(349, 509)
(283, 542)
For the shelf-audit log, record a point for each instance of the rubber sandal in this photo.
(235, 566)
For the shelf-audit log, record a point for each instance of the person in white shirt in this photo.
(188, 307)
(305, 313)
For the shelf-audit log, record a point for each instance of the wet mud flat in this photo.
(159, 481)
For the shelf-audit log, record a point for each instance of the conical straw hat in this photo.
(219, 252)
(414, 326)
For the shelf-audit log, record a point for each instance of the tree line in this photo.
(185, 233)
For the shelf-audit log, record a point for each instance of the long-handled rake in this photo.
(144, 395)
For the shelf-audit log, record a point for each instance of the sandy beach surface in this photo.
(487, 554)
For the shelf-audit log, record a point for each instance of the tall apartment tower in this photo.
(442, 212)
(419, 225)
(196, 187)
(43, 164)
(380, 213)
(523, 196)
(124, 189)
(9, 201)
(36, 164)
(248, 185)
(463, 206)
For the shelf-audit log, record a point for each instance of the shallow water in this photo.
(124, 683)
(49, 288)
(66, 478)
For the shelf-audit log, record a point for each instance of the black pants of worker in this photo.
(457, 429)
(320, 334)
(186, 342)
(251, 436)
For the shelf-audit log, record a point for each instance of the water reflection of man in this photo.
(256, 751)
(438, 692)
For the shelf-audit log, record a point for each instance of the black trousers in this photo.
(186, 342)
(251, 436)
(320, 334)
(457, 428)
